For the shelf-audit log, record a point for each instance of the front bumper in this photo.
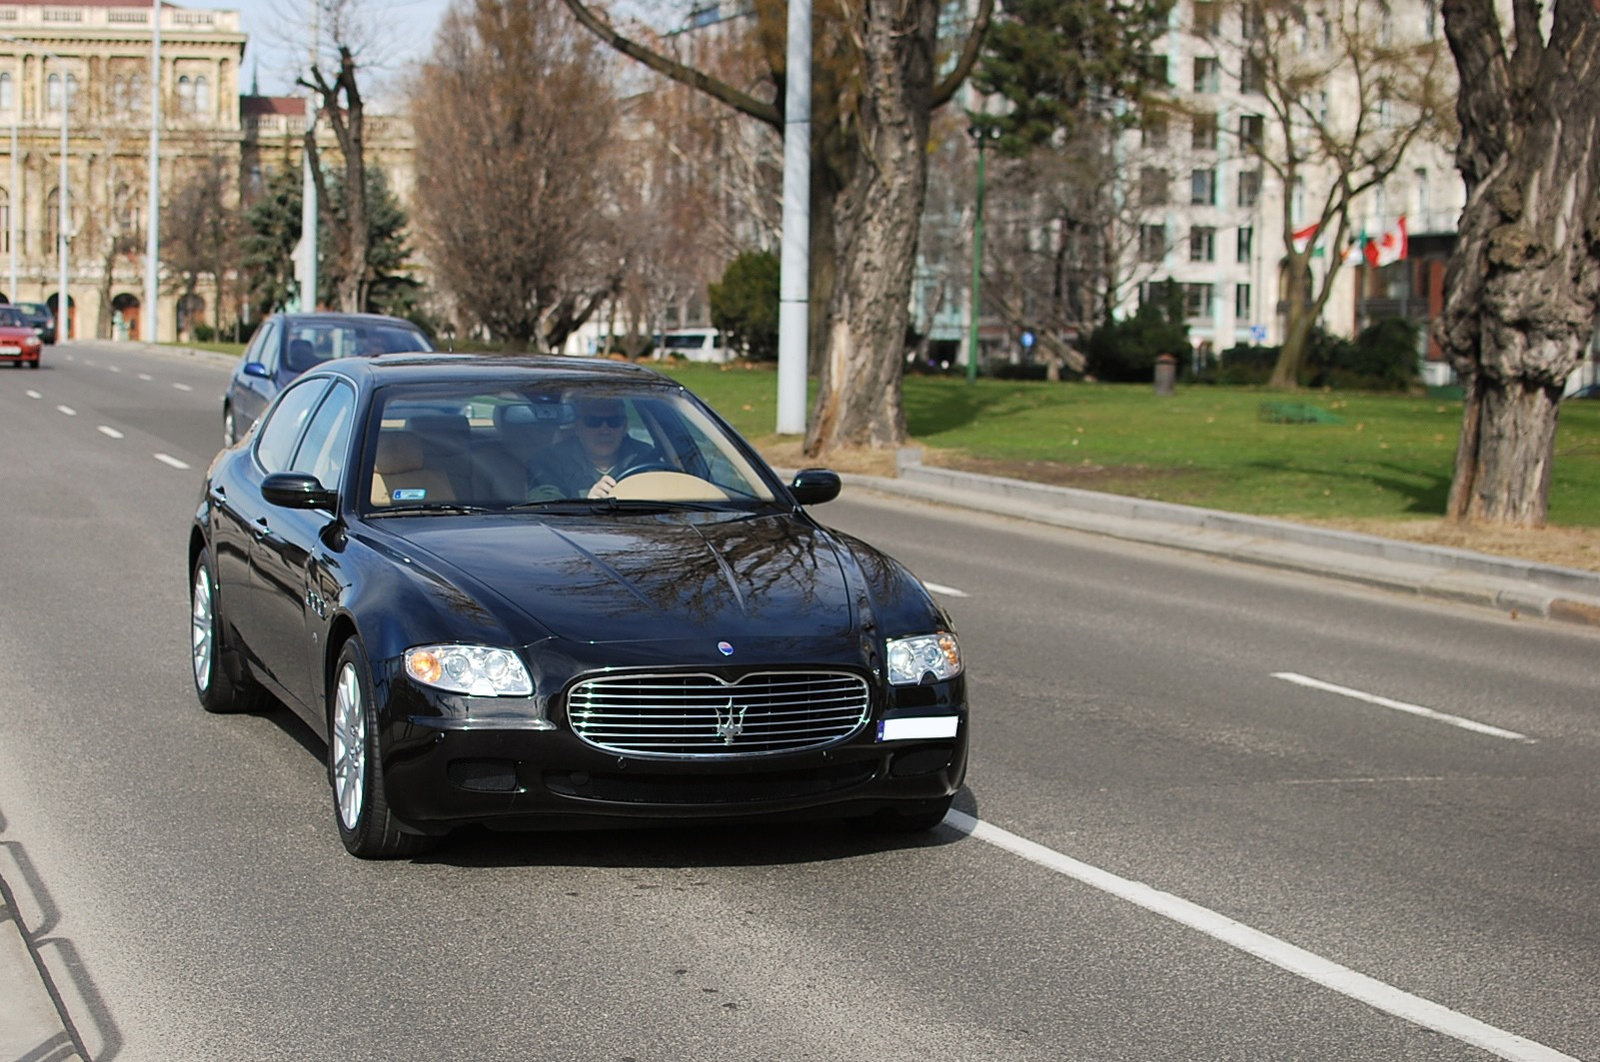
(440, 773)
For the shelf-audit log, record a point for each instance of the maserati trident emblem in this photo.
(731, 725)
(725, 648)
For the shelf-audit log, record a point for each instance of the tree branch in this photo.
(684, 75)
(945, 91)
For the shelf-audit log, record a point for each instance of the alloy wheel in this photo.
(201, 628)
(349, 747)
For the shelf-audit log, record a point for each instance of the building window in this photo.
(1252, 131)
(185, 94)
(1152, 243)
(202, 96)
(1202, 244)
(1249, 187)
(1203, 188)
(1245, 245)
(1252, 26)
(1155, 69)
(1420, 183)
(5, 229)
(1153, 182)
(1252, 74)
(7, 93)
(1241, 302)
(1207, 18)
(1197, 300)
(52, 92)
(1204, 136)
(1154, 130)
(1207, 74)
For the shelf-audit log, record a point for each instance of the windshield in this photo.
(686, 341)
(309, 343)
(557, 447)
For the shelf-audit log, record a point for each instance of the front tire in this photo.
(230, 430)
(217, 692)
(355, 763)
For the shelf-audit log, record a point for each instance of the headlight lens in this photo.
(927, 654)
(476, 670)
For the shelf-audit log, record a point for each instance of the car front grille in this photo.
(702, 715)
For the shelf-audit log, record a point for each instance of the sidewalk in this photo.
(1511, 586)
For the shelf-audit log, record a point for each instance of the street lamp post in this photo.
(982, 134)
(63, 313)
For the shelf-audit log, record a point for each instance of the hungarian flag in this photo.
(1389, 247)
(1303, 238)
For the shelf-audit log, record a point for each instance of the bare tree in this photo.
(1522, 291)
(1346, 93)
(515, 156)
(876, 87)
(202, 235)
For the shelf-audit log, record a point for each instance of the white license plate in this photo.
(10, 350)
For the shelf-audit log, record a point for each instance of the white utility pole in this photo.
(152, 249)
(795, 277)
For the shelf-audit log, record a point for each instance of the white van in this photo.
(695, 344)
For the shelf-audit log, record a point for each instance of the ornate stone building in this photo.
(94, 55)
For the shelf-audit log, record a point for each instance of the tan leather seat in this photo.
(399, 467)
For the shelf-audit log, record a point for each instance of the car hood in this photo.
(627, 578)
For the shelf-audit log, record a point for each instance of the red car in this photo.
(18, 342)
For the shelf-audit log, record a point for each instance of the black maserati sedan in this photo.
(544, 593)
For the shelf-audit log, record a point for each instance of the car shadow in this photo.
(772, 843)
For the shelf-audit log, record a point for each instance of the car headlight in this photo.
(912, 659)
(476, 670)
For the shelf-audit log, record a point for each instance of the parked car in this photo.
(1586, 391)
(37, 315)
(693, 344)
(543, 593)
(19, 341)
(288, 344)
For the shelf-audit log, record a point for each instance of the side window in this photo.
(280, 429)
(327, 439)
(264, 346)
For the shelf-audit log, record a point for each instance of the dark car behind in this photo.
(37, 315)
(288, 344)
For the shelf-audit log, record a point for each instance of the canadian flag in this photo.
(1303, 238)
(1389, 247)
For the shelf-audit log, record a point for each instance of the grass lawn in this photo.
(234, 349)
(1371, 457)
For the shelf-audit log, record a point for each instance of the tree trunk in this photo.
(875, 226)
(1522, 290)
(1301, 315)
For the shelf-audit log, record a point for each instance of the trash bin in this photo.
(1166, 374)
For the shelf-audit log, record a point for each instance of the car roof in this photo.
(348, 319)
(489, 369)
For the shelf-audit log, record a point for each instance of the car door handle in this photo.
(261, 530)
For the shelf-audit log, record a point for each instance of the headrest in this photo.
(301, 354)
(398, 452)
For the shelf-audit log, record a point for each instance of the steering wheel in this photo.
(651, 464)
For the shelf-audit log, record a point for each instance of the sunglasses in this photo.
(594, 421)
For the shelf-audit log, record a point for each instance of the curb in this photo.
(1508, 585)
(31, 1023)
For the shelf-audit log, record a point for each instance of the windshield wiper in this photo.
(435, 509)
(618, 505)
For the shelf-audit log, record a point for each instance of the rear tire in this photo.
(217, 692)
(355, 762)
(230, 430)
(34, 364)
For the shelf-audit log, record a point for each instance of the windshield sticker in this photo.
(409, 494)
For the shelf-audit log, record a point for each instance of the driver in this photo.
(588, 464)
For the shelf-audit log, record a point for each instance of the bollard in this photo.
(1166, 374)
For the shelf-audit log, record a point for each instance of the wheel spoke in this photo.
(349, 747)
(201, 630)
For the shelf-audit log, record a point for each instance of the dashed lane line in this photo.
(183, 387)
(944, 591)
(109, 432)
(67, 410)
(1402, 706)
(1298, 961)
(168, 459)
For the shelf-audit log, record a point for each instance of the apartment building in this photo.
(1210, 215)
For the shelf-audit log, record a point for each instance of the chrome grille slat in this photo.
(698, 714)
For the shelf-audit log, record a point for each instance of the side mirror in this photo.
(255, 368)
(297, 490)
(813, 486)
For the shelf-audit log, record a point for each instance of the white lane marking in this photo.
(68, 410)
(168, 459)
(947, 591)
(1297, 961)
(112, 368)
(1402, 706)
(146, 377)
(111, 433)
(33, 394)
(183, 387)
